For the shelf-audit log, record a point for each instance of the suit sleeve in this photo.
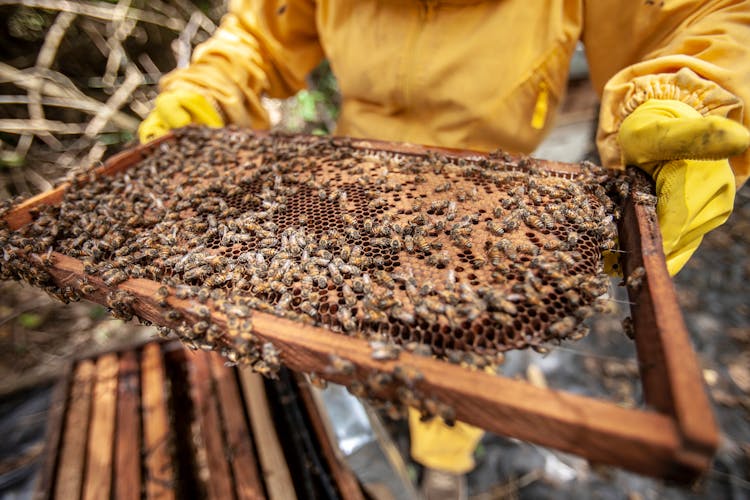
(697, 52)
(262, 47)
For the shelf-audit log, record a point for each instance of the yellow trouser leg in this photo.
(438, 446)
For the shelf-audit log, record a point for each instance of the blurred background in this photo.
(76, 79)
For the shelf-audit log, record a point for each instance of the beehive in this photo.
(369, 264)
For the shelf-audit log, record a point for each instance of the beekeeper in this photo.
(674, 76)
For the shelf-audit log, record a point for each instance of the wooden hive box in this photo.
(159, 421)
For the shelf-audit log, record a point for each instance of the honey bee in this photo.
(271, 356)
(382, 351)
(534, 222)
(567, 282)
(339, 366)
(200, 327)
(346, 319)
(203, 294)
(419, 349)
(385, 279)
(551, 244)
(478, 262)
(357, 389)
(402, 315)
(572, 297)
(307, 308)
(317, 381)
(114, 277)
(635, 278)
(628, 327)
(644, 198)
(562, 327)
(566, 258)
(527, 247)
(408, 375)
(495, 228)
(439, 260)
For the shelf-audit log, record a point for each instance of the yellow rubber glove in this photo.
(686, 154)
(178, 108)
(438, 446)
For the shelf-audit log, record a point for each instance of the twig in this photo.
(133, 78)
(57, 85)
(205, 23)
(12, 125)
(52, 41)
(184, 46)
(96, 153)
(37, 180)
(44, 60)
(120, 28)
(23, 145)
(153, 73)
(99, 10)
(91, 29)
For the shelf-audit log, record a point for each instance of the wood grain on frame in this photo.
(70, 470)
(279, 485)
(219, 482)
(127, 474)
(99, 453)
(239, 442)
(159, 467)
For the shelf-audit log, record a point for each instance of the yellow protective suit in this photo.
(475, 74)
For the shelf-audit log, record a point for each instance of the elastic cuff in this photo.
(622, 96)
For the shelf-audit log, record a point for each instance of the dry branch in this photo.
(56, 85)
(12, 125)
(99, 10)
(133, 79)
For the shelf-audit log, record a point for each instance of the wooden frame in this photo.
(675, 437)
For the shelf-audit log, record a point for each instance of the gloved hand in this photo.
(178, 108)
(686, 154)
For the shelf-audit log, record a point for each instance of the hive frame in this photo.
(674, 438)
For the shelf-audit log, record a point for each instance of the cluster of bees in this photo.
(461, 257)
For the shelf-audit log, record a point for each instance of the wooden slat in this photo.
(159, 469)
(127, 478)
(342, 475)
(73, 453)
(53, 436)
(670, 371)
(237, 434)
(276, 474)
(219, 483)
(99, 452)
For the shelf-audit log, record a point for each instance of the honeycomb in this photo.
(452, 253)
